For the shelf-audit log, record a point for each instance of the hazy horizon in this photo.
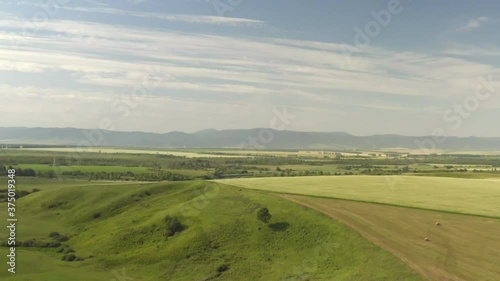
(241, 129)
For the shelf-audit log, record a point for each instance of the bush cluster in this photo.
(173, 226)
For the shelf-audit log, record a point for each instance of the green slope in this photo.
(119, 230)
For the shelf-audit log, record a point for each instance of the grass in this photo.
(35, 265)
(84, 169)
(462, 248)
(468, 175)
(325, 168)
(468, 196)
(222, 229)
(58, 170)
(28, 183)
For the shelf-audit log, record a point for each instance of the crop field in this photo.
(477, 197)
(459, 248)
(117, 230)
(418, 169)
(128, 151)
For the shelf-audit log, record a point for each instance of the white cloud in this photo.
(472, 51)
(474, 23)
(267, 64)
(227, 72)
(195, 19)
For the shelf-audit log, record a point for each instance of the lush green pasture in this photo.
(125, 241)
(39, 266)
(469, 196)
(28, 183)
(84, 169)
(460, 175)
(459, 248)
(58, 170)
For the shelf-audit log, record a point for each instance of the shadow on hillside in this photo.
(279, 226)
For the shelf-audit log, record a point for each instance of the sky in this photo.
(361, 67)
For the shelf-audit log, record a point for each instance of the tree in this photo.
(264, 215)
(173, 226)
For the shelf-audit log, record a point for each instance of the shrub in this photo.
(58, 237)
(222, 268)
(22, 193)
(65, 249)
(69, 257)
(144, 193)
(173, 225)
(53, 244)
(62, 238)
(38, 244)
(264, 215)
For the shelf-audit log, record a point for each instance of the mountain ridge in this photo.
(257, 138)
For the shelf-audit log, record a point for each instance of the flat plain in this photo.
(459, 247)
(467, 196)
(108, 150)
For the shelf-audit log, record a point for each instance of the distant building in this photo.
(397, 155)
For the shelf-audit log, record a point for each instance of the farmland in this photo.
(477, 197)
(459, 248)
(375, 212)
(107, 150)
(147, 165)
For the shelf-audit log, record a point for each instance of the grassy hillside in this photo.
(469, 196)
(459, 248)
(119, 231)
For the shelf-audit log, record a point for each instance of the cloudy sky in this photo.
(362, 67)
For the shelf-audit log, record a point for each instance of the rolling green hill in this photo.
(120, 232)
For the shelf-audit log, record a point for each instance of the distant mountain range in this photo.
(245, 138)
